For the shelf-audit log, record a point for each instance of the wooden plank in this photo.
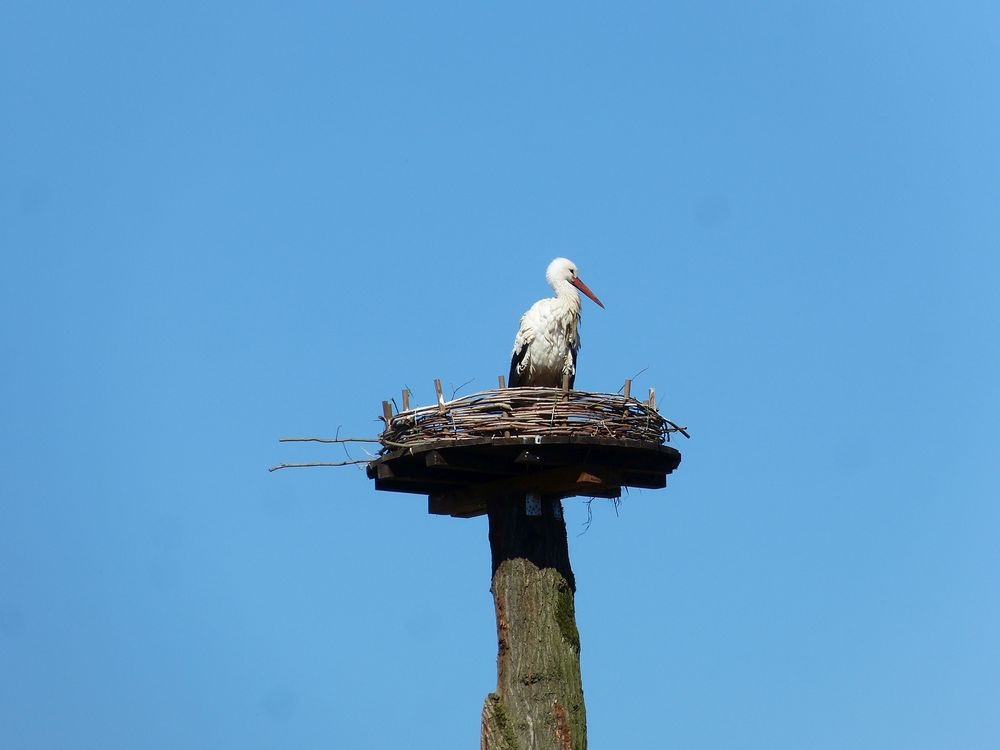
(644, 463)
(564, 482)
(628, 388)
(441, 505)
(487, 444)
(424, 480)
(478, 511)
(609, 494)
(387, 413)
(464, 464)
(528, 458)
(440, 394)
(391, 486)
(414, 488)
(503, 382)
(580, 447)
(406, 399)
(644, 481)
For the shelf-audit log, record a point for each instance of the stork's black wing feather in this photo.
(572, 377)
(514, 380)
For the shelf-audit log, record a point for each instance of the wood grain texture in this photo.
(538, 703)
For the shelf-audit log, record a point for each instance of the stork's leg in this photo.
(569, 367)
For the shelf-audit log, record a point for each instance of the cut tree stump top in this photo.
(460, 476)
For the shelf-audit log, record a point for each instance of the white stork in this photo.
(549, 337)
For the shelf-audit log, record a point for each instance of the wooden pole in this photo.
(538, 702)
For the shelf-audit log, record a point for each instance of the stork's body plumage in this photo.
(548, 339)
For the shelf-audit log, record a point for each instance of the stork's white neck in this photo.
(566, 294)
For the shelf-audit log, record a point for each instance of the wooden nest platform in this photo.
(513, 442)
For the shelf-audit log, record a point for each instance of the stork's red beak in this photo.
(585, 289)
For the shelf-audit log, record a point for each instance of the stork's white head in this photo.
(561, 273)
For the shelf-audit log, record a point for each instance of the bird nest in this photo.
(521, 412)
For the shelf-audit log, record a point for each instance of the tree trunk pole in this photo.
(538, 704)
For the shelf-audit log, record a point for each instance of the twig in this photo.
(633, 377)
(344, 445)
(323, 463)
(327, 440)
(456, 390)
(681, 430)
(590, 516)
(388, 443)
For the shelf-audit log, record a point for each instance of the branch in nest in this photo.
(681, 430)
(634, 377)
(454, 391)
(326, 440)
(324, 463)
(340, 440)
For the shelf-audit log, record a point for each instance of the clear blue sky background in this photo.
(225, 223)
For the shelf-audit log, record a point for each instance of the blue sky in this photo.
(225, 223)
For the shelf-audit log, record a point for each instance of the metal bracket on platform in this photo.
(533, 504)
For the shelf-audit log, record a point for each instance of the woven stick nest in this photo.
(517, 412)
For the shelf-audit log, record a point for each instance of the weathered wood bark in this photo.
(538, 704)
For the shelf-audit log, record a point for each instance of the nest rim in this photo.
(530, 412)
